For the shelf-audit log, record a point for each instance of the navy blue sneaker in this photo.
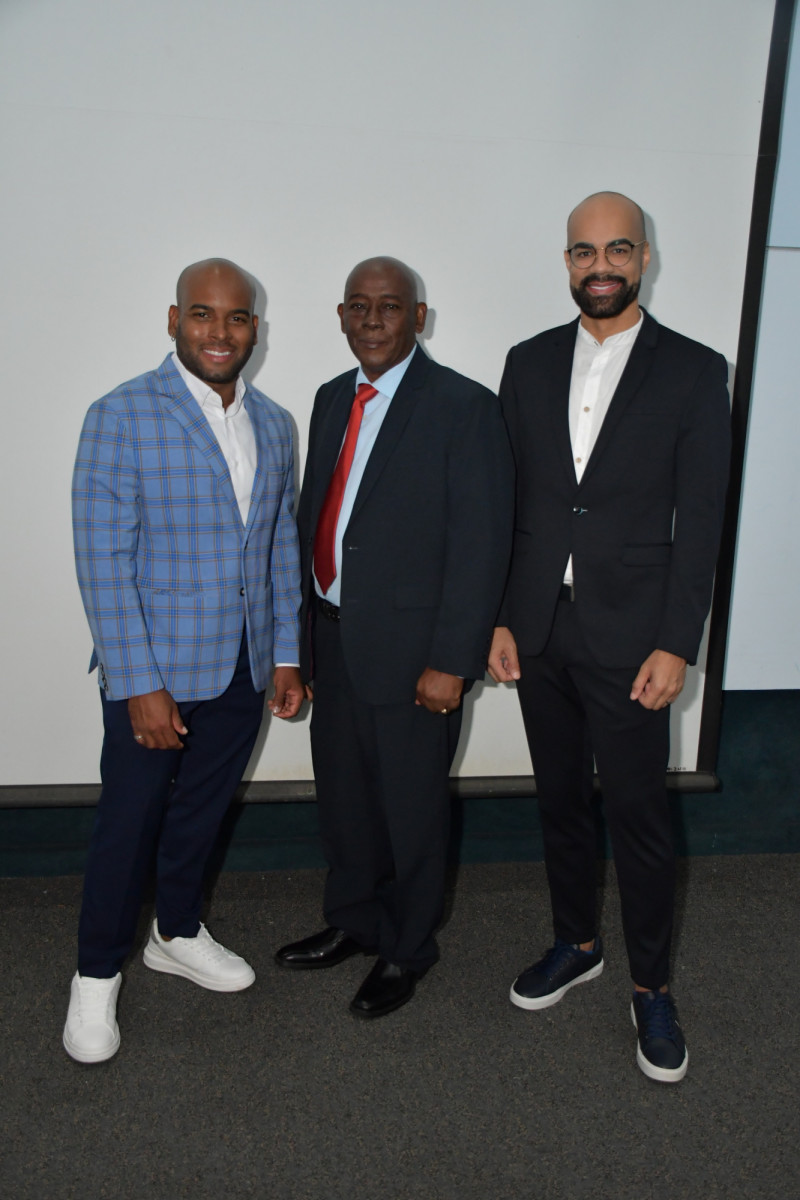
(661, 1052)
(553, 975)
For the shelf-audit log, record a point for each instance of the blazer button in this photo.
(578, 510)
(241, 591)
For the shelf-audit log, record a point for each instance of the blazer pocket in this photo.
(416, 596)
(655, 555)
(166, 591)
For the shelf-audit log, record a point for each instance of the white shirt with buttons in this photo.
(596, 370)
(233, 430)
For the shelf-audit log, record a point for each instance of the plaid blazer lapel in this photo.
(187, 412)
(267, 455)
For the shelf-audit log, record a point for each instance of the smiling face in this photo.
(381, 315)
(606, 295)
(213, 324)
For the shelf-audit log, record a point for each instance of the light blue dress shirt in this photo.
(374, 412)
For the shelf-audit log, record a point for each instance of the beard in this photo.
(210, 375)
(605, 306)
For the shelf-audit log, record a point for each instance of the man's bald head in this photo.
(607, 254)
(382, 264)
(381, 314)
(612, 205)
(213, 324)
(212, 268)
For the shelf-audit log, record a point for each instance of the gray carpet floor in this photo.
(277, 1092)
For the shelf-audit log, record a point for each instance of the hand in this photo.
(438, 692)
(503, 656)
(156, 721)
(289, 693)
(660, 680)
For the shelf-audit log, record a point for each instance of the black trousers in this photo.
(575, 710)
(384, 809)
(170, 799)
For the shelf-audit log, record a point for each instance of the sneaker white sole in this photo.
(660, 1074)
(83, 1056)
(157, 960)
(534, 1003)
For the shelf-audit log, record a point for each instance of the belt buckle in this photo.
(329, 611)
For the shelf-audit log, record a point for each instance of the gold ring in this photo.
(444, 710)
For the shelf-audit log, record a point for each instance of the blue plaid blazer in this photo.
(167, 572)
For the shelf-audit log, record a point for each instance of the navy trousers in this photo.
(576, 711)
(383, 797)
(170, 802)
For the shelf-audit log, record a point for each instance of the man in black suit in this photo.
(621, 433)
(405, 522)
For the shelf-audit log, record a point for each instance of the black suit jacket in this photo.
(643, 525)
(426, 550)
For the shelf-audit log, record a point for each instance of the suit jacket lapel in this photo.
(187, 412)
(403, 403)
(636, 369)
(329, 443)
(559, 378)
(265, 452)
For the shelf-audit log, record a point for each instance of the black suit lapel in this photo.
(403, 403)
(636, 370)
(559, 378)
(331, 435)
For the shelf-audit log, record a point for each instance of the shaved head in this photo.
(380, 265)
(606, 256)
(217, 268)
(381, 314)
(213, 324)
(609, 202)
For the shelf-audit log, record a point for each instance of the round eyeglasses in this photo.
(583, 255)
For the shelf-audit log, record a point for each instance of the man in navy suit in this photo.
(405, 524)
(188, 566)
(621, 433)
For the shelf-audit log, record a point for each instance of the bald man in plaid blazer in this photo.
(188, 566)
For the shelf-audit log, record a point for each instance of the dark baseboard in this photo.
(290, 791)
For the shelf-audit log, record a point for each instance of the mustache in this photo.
(597, 277)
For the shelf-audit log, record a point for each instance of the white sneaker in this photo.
(91, 1034)
(200, 959)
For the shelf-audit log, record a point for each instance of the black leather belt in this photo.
(567, 593)
(331, 611)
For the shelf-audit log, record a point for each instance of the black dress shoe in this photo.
(324, 949)
(385, 989)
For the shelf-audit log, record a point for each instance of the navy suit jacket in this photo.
(426, 549)
(643, 524)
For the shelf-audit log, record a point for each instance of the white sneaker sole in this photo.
(660, 1074)
(95, 1056)
(155, 958)
(534, 1003)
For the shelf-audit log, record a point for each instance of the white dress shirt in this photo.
(374, 412)
(596, 370)
(233, 430)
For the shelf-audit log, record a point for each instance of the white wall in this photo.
(297, 138)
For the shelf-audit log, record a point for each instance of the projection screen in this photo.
(297, 139)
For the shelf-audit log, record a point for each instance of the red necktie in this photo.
(325, 537)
